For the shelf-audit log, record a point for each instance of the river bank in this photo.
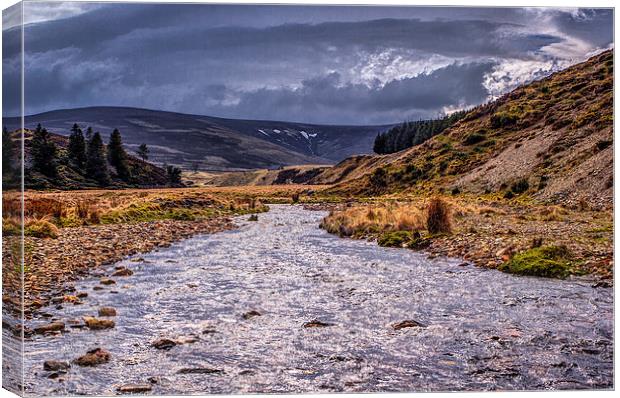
(484, 233)
(278, 305)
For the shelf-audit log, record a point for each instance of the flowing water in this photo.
(481, 329)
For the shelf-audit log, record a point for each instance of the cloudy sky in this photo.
(336, 65)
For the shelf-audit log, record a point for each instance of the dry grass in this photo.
(45, 212)
(369, 220)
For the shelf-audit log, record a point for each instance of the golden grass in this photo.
(372, 219)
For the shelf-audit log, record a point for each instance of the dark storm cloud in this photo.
(319, 64)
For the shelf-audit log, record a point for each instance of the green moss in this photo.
(394, 239)
(546, 261)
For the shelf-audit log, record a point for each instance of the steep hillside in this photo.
(212, 143)
(551, 139)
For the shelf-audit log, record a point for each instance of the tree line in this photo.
(411, 133)
(86, 154)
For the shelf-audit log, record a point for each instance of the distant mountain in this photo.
(214, 143)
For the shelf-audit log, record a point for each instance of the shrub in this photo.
(456, 191)
(394, 239)
(438, 217)
(520, 186)
(378, 179)
(474, 138)
(503, 119)
(253, 217)
(295, 197)
(40, 228)
(546, 261)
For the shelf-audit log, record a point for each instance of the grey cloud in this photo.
(286, 62)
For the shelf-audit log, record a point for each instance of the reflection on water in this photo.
(483, 329)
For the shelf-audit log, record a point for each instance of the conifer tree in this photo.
(96, 164)
(77, 148)
(143, 152)
(8, 153)
(43, 152)
(117, 156)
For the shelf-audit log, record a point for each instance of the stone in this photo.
(317, 324)
(251, 314)
(98, 324)
(96, 356)
(55, 366)
(134, 388)
(407, 324)
(107, 281)
(107, 311)
(199, 371)
(50, 327)
(123, 272)
(81, 295)
(164, 344)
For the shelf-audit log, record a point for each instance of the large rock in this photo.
(98, 324)
(407, 324)
(199, 371)
(55, 366)
(123, 272)
(50, 327)
(107, 311)
(107, 281)
(164, 344)
(317, 324)
(251, 314)
(96, 356)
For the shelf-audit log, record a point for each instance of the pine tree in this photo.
(43, 152)
(117, 156)
(77, 148)
(96, 164)
(88, 135)
(143, 152)
(173, 174)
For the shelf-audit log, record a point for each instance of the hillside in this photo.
(144, 174)
(551, 138)
(212, 143)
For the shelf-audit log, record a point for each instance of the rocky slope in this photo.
(551, 139)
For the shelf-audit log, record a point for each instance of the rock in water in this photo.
(98, 324)
(123, 272)
(317, 324)
(107, 281)
(93, 357)
(54, 366)
(199, 371)
(107, 311)
(50, 327)
(408, 324)
(251, 314)
(134, 388)
(164, 344)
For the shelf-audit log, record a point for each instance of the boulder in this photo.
(50, 327)
(317, 324)
(407, 324)
(107, 281)
(251, 314)
(164, 344)
(107, 311)
(55, 366)
(98, 324)
(96, 356)
(123, 272)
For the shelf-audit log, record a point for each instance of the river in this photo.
(479, 329)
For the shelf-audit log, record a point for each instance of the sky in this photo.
(314, 64)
